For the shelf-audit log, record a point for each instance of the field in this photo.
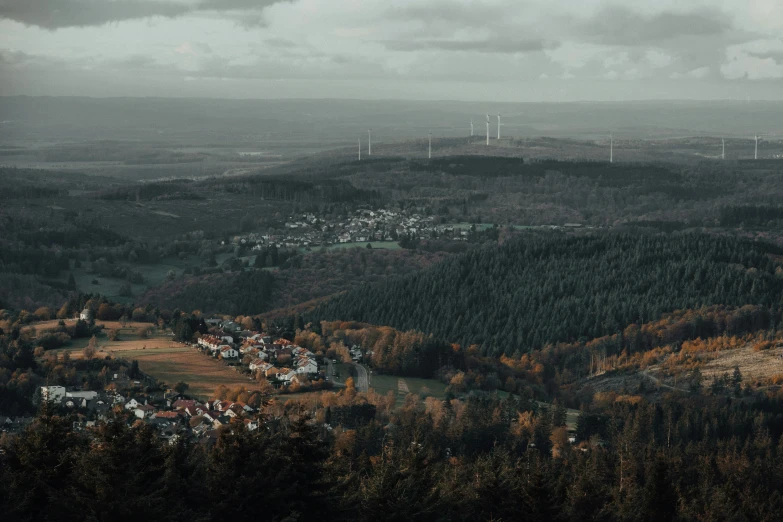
(382, 384)
(171, 362)
(384, 245)
(754, 366)
(154, 275)
(161, 358)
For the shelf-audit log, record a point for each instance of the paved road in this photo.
(362, 379)
(330, 372)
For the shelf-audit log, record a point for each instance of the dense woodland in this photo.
(481, 458)
(548, 288)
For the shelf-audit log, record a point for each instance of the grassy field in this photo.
(401, 386)
(171, 362)
(154, 275)
(161, 358)
(383, 245)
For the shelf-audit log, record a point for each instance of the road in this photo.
(362, 378)
(658, 382)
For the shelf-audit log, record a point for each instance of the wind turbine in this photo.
(429, 151)
(471, 127)
(498, 126)
(369, 142)
(723, 152)
(360, 149)
(611, 148)
(756, 153)
(487, 129)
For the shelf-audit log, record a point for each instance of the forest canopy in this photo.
(548, 288)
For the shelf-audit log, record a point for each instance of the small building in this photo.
(226, 352)
(52, 393)
(86, 315)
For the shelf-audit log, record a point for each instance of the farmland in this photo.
(162, 358)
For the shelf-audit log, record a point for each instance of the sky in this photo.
(483, 50)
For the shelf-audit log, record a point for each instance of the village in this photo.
(309, 231)
(277, 363)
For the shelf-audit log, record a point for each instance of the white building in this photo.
(88, 395)
(226, 352)
(306, 365)
(52, 393)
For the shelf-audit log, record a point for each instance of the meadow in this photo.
(165, 360)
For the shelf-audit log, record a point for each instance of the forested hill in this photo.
(545, 288)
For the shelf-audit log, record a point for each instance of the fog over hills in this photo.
(38, 120)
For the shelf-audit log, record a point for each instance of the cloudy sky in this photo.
(507, 50)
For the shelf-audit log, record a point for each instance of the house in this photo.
(235, 411)
(132, 404)
(223, 420)
(226, 352)
(86, 315)
(257, 364)
(251, 425)
(286, 374)
(144, 411)
(212, 415)
(181, 404)
(306, 365)
(301, 378)
(231, 326)
(210, 342)
(170, 415)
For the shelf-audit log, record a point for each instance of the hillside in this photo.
(547, 288)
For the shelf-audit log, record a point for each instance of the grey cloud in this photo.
(499, 46)
(56, 14)
(775, 55)
(9, 57)
(616, 25)
(279, 42)
(473, 14)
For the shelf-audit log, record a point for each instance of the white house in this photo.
(226, 352)
(306, 365)
(132, 404)
(256, 364)
(286, 374)
(144, 411)
(86, 315)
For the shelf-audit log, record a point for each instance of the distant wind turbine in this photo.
(498, 126)
(723, 152)
(756, 153)
(611, 148)
(471, 127)
(360, 149)
(429, 151)
(369, 142)
(487, 129)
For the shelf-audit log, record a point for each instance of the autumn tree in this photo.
(91, 349)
